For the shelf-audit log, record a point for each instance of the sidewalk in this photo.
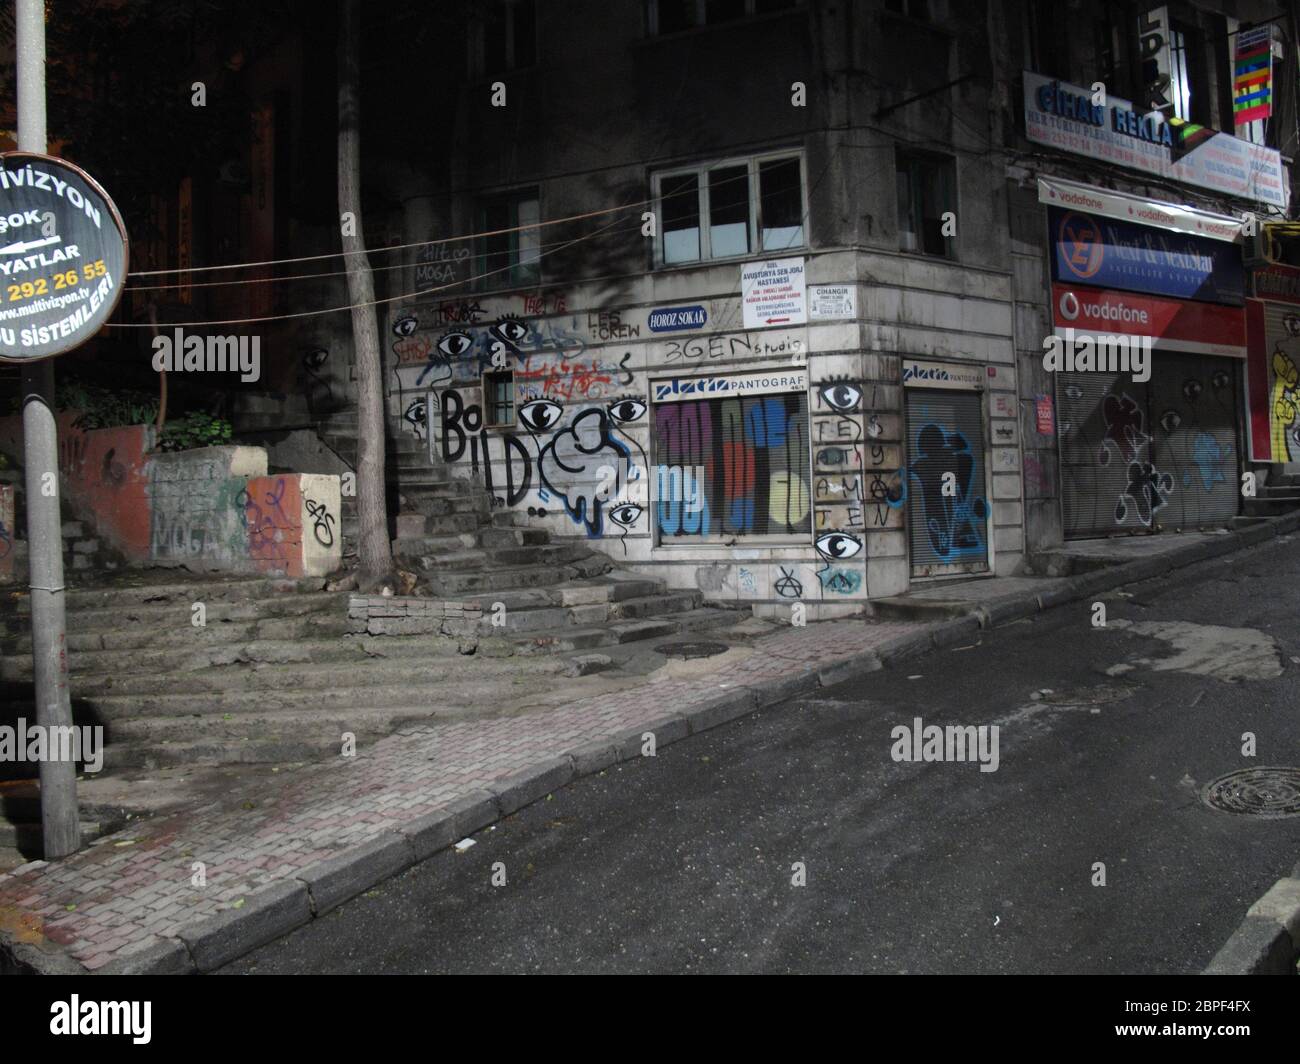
(289, 849)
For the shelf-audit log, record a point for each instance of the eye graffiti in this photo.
(841, 396)
(1073, 391)
(406, 325)
(626, 515)
(511, 330)
(540, 415)
(627, 410)
(455, 344)
(1170, 420)
(1192, 390)
(1219, 380)
(837, 545)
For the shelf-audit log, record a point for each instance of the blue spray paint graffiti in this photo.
(954, 522)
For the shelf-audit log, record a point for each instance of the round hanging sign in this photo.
(63, 256)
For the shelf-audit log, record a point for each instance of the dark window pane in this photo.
(496, 56)
(906, 212)
(723, 10)
(933, 196)
(780, 204)
(527, 242)
(676, 15)
(525, 15)
(764, 7)
(680, 205)
(925, 185)
(729, 211)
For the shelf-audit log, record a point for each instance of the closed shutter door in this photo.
(948, 533)
(1105, 442)
(1193, 419)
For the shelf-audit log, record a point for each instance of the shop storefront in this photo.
(1273, 366)
(1148, 413)
(948, 511)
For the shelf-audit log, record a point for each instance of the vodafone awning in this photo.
(1128, 208)
(1172, 324)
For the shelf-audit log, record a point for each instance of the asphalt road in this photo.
(683, 862)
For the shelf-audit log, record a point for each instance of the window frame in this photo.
(507, 376)
(948, 164)
(478, 41)
(701, 173)
(484, 281)
(701, 16)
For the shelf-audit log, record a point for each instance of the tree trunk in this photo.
(374, 548)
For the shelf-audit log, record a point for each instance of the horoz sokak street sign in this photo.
(63, 255)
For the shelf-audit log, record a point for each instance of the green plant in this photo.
(106, 408)
(194, 430)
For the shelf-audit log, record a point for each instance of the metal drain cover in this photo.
(1267, 791)
(686, 651)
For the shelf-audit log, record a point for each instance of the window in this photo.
(732, 208)
(1189, 89)
(508, 259)
(918, 9)
(727, 467)
(925, 195)
(499, 399)
(505, 38)
(674, 16)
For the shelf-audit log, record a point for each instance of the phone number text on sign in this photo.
(63, 257)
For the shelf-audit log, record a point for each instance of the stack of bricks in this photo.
(396, 615)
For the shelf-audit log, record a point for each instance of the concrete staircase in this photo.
(1280, 495)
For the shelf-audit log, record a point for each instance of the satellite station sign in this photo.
(63, 257)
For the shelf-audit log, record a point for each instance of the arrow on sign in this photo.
(28, 245)
(776, 321)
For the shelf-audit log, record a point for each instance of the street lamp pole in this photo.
(60, 823)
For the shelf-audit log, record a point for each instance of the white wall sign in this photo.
(942, 375)
(773, 293)
(680, 389)
(830, 302)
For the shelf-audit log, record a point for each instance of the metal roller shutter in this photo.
(945, 434)
(1103, 431)
(1193, 404)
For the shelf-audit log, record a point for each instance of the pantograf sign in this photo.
(63, 256)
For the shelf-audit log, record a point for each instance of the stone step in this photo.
(161, 616)
(184, 635)
(507, 537)
(255, 665)
(122, 757)
(560, 641)
(144, 588)
(504, 558)
(458, 584)
(28, 836)
(407, 677)
(316, 723)
(656, 605)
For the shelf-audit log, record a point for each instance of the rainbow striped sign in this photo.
(1252, 85)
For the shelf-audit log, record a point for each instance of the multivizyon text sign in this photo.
(63, 256)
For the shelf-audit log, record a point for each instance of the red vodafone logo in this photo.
(1079, 244)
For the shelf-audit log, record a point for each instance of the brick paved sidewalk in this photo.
(278, 855)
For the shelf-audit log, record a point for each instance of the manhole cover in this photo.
(692, 650)
(1265, 791)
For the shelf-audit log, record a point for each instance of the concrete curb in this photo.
(1269, 937)
(1268, 940)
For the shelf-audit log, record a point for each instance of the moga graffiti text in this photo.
(179, 353)
(922, 742)
(82, 744)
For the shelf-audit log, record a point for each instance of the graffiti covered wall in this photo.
(761, 466)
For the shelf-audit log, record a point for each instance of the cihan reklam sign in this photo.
(63, 256)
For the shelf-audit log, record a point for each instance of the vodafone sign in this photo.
(1172, 324)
